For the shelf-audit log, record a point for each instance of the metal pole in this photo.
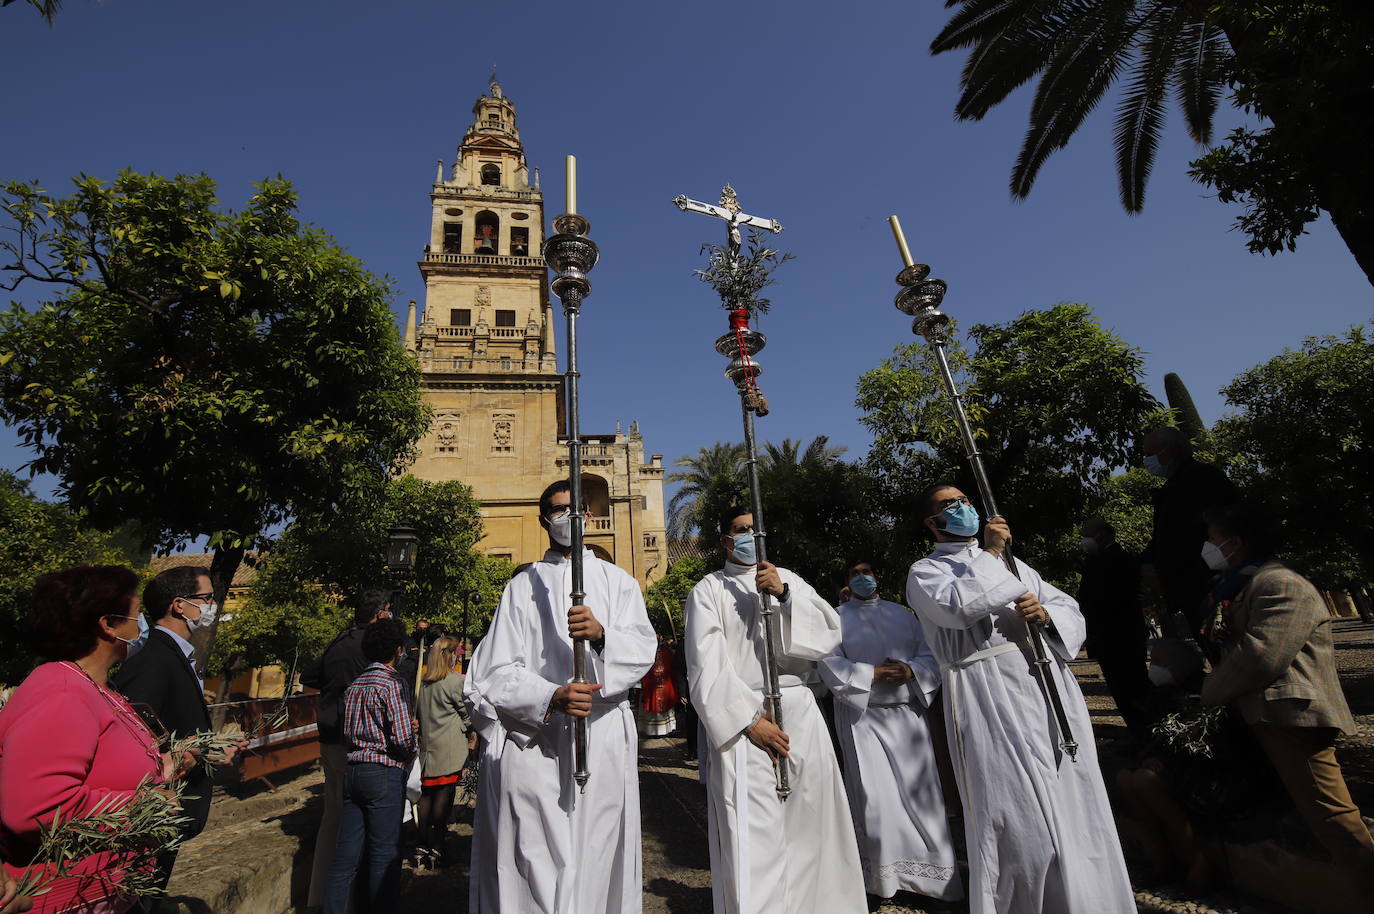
(921, 298)
(772, 691)
(570, 254)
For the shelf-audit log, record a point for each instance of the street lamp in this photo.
(401, 545)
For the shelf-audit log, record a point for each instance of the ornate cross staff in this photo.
(740, 345)
(571, 254)
(921, 297)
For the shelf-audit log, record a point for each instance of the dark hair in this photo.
(859, 560)
(1251, 524)
(67, 606)
(368, 602)
(178, 581)
(1101, 526)
(927, 501)
(381, 639)
(727, 517)
(546, 497)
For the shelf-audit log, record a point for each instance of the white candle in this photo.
(572, 184)
(901, 240)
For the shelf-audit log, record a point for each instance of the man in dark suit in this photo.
(1172, 560)
(163, 677)
(1109, 599)
(332, 673)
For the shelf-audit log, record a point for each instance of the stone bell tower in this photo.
(485, 344)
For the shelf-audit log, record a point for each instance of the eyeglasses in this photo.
(197, 596)
(951, 502)
(150, 720)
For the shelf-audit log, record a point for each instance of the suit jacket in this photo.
(1280, 665)
(1179, 531)
(335, 669)
(1109, 599)
(162, 677)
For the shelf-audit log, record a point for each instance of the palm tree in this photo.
(708, 466)
(1078, 49)
(819, 452)
(1302, 66)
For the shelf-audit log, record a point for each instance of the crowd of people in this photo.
(948, 713)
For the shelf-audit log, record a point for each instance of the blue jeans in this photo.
(372, 807)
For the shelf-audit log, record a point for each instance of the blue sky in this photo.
(825, 116)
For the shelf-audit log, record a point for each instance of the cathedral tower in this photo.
(486, 346)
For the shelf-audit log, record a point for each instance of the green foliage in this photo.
(37, 537)
(1300, 445)
(720, 465)
(204, 372)
(1126, 502)
(667, 596)
(1185, 411)
(740, 280)
(818, 510)
(1056, 403)
(1259, 172)
(293, 609)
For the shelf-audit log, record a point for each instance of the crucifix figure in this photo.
(728, 210)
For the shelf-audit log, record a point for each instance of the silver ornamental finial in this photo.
(729, 200)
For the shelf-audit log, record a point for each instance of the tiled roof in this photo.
(683, 547)
(243, 577)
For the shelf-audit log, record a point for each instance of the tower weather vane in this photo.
(738, 280)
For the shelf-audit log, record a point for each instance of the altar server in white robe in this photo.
(768, 856)
(884, 677)
(1040, 832)
(545, 847)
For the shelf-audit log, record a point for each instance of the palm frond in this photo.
(1090, 56)
(1140, 115)
(976, 22)
(1005, 60)
(1202, 49)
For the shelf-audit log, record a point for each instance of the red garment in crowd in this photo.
(659, 692)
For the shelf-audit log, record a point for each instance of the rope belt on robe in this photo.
(963, 663)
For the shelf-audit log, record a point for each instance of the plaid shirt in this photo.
(377, 726)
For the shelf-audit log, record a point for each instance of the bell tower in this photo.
(484, 341)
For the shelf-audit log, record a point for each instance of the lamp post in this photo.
(401, 546)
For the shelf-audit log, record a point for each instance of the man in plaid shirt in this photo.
(379, 736)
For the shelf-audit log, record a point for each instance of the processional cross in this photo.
(728, 210)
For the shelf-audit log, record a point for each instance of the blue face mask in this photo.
(136, 644)
(960, 519)
(1154, 466)
(742, 545)
(863, 585)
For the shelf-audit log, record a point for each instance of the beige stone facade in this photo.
(486, 345)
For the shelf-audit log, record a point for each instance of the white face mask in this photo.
(208, 611)
(560, 528)
(1089, 546)
(1160, 676)
(1214, 557)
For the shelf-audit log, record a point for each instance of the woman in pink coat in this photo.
(68, 741)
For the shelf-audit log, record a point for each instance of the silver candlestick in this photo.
(571, 255)
(921, 298)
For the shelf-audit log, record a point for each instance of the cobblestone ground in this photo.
(677, 868)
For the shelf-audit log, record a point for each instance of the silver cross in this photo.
(729, 211)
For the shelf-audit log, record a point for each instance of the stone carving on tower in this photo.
(485, 342)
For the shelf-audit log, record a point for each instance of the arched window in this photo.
(491, 175)
(596, 495)
(488, 230)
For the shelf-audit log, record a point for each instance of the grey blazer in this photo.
(1280, 665)
(443, 727)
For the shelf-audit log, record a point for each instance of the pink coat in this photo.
(64, 746)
